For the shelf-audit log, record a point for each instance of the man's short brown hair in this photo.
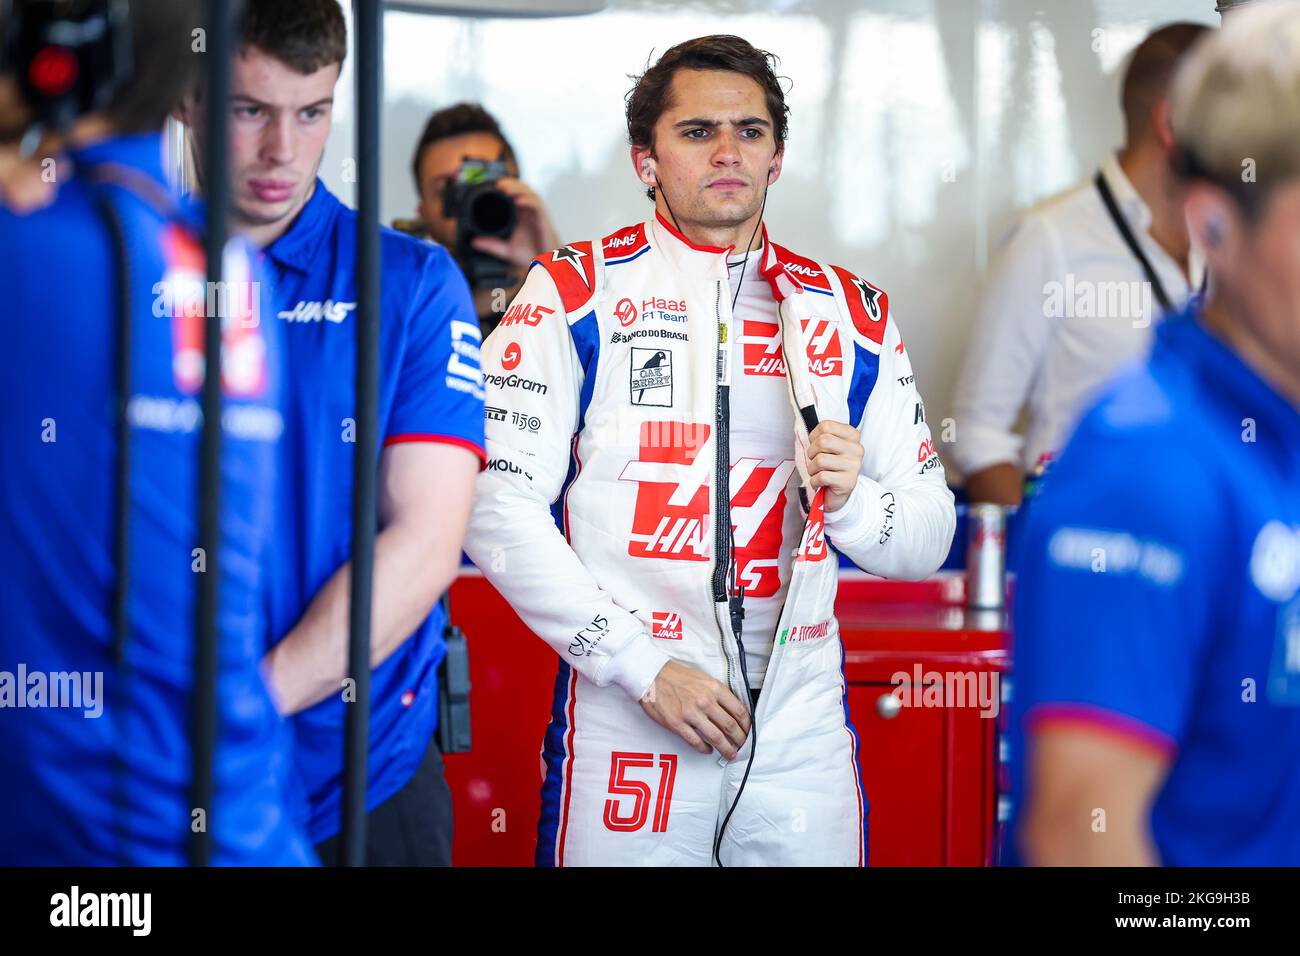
(460, 120)
(305, 35)
(1150, 71)
(649, 98)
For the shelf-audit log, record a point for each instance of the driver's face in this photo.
(713, 147)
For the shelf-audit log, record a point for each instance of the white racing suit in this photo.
(598, 519)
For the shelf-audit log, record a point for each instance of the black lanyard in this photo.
(1130, 240)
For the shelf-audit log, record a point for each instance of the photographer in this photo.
(472, 202)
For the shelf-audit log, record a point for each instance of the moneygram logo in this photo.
(516, 382)
(511, 356)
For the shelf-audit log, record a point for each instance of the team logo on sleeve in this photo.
(524, 313)
(463, 371)
(667, 626)
(651, 377)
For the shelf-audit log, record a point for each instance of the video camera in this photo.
(480, 209)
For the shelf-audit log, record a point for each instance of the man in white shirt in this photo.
(1074, 291)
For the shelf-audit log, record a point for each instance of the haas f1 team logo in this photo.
(812, 547)
(666, 625)
(673, 520)
(625, 311)
(763, 355)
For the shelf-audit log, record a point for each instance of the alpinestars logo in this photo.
(672, 517)
(762, 348)
(870, 298)
(329, 310)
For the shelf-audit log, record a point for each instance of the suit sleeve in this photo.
(1008, 345)
(534, 375)
(900, 519)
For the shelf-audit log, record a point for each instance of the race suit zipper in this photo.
(722, 488)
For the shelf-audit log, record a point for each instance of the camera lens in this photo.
(490, 212)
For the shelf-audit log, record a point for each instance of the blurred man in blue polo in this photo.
(1157, 703)
(430, 429)
(95, 718)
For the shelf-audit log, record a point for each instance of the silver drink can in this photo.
(986, 556)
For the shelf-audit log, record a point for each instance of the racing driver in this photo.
(701, 412)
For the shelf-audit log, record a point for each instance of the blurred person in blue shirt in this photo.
(95, 722)
(1156, 714)
(430, 430)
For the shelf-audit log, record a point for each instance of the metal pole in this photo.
(368, 28)
(204, 736)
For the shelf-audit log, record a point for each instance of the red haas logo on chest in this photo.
(762, 345)
(823, 344)
(672, 498)
(672, 512)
